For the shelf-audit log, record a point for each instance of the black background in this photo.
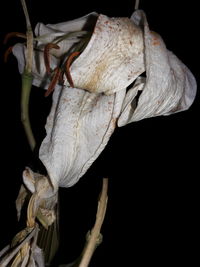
(152, 164)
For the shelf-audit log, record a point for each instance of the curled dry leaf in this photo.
(24, 251)
(43, 200)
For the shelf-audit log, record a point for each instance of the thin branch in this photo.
(25, 96)
(27, 80)
(95, 233)
(29, 58)
(29, 34)
(137, 2)
(28, 23)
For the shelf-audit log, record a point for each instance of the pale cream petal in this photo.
(111, 61)
(78, 128)
(49, 33)
(130, 102)
(170, 86)
(83, 118)
(113, 58)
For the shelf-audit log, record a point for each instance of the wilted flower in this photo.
(105, 72)
(91, 61)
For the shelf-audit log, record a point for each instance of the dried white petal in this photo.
(170, 86)
(78, 128)
(38, 257)
(113, 58)
(111, 61)
(51, 33)
(83, 118)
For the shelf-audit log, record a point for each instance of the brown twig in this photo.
(95, 233)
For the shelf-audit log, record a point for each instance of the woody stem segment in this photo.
(95, 232)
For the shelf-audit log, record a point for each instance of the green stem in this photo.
(27, 80)
(25, 96)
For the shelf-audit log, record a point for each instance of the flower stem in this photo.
(95, 233)
(25, 96)
(28, 23)
(27, 80)
(137, 2)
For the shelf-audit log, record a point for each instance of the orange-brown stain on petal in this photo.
(155, 39)
(94, 77)
(155, 43)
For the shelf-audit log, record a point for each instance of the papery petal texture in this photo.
(50, 34)
(169, 85)
(124, 74)
(111, 61)
(113, 58)
(78, 128)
